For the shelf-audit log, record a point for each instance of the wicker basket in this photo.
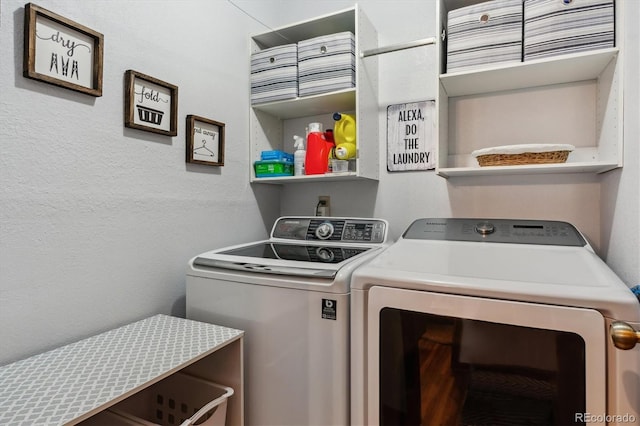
(525, 158)
(538, 154)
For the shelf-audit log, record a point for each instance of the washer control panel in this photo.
(515, 231)
(333, 229)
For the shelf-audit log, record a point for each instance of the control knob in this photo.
(325, 254)
(324, 230)
(485, 228)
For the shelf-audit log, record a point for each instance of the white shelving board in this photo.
(541, 72)
(271, 122)
(601, 152)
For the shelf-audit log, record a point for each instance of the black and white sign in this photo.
(62, 52)
(410, 141)
(329, 309)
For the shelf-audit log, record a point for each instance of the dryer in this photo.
(475, 321)
(290, 294)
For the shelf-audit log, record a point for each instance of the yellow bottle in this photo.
(344, 133)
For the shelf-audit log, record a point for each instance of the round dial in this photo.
(324, 230)
(485, 228)
(325, 254)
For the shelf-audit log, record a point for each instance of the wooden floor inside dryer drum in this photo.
(455, 394)
(443, 399)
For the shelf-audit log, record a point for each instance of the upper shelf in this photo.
(328, 24)
(541, 72)
(342, 100)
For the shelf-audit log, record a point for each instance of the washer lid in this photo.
(281, 258)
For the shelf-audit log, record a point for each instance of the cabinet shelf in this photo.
(534, 169)
(343, 100)
(541, 72)
(273, 124)
(327, 177)
(574, 98)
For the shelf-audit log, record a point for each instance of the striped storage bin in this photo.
(483, 34)
(274, 74)
(556, 27)
(326, 64)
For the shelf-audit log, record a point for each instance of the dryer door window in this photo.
(444, 364)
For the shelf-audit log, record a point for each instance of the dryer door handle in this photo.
(623, 335)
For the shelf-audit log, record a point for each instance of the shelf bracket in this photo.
(396, 47)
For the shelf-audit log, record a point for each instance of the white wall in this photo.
(98, 221)
(604, 207)
(621, 188)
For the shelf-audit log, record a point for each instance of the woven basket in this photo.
(522, 159)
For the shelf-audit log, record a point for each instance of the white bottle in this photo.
(298, 156)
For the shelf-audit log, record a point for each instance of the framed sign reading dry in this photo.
(150, 104)
(205, 141)
(61, 52)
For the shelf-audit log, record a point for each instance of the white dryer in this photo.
(290, 294)
(473, 321)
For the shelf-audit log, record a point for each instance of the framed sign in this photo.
(205, 141)
(62, 52)
(150, 104)
(410, 142)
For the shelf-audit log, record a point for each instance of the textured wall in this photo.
(98, 221)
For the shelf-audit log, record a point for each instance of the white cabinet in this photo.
(274, 124)
(575, 99)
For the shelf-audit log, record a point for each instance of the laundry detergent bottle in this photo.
(318, 151)
(344, 133)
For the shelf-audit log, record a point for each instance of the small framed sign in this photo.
(150, 104)
(205, 141)
(410, 141)
(62, 52)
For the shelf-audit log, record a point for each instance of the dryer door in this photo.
(446, 359)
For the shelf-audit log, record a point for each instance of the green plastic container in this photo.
(274, 168)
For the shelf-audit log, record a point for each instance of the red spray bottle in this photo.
(318, 150)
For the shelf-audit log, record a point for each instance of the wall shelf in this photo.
(528, 95)
(541, 72)
(536, 169)
(326, 103)
(273, 124)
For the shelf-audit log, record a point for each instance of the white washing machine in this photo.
(471, 321)
(290, 294)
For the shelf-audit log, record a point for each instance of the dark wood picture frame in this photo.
(62, 52)
(205, 141)
(146, 107)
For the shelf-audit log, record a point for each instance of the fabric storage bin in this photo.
(556, 27)
(180, 399)
(326, 63)
(274, 74)
(483, 34)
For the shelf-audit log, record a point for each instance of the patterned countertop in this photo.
(59, 386)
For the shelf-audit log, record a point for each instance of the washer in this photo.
(511, 322)
(290, 294)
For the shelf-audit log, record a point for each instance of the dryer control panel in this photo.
(497, 231)
(345, 230)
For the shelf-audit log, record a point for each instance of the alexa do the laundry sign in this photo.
(410, 142)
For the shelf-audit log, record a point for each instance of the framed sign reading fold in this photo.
(150, 104)
(62, 52)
